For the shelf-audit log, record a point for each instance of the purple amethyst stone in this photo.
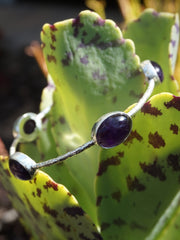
(113, 130)
(18, 170)
(158, 70)
(29, 126)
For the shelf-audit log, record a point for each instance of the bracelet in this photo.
(109, 131)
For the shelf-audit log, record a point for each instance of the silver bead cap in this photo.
(149, 71)
(22, 166)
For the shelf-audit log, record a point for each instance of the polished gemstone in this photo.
(18, 170)
(29, 126)
(113, 130)
(158, 70)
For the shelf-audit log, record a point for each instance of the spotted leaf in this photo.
(156, 37)
(48, 209)
(90, 63)
(139, 178)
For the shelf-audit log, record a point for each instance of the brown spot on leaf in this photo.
(69, 194)
(133, 135)
(175, 103)
(38, 192)
(84, 237)
(99, 200)
(67, 60)
(104, 226)
(112, 161)
(134, 184)
(43, 32)
(35, 180)
(174, 128)
(66, 228)
(174, 162)
(119, 222)
(74, 211)
(95, 39)
(51, 58)
(51, 184)
(156, 140)
(53, 37)
(153, 169)
(116, 196)
(52, 47)
(76, 24)
(148, 109)
(62, 120)
(50, 211)
(53, 28)
(172, 77)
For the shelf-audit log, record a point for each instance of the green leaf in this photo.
(139, 178)
(48, 209)
(91, 63)
(167, 226)
(156, 37)
(95, 71)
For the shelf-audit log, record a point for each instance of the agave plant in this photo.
(127, 192)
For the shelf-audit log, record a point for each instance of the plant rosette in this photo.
(127, 192)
